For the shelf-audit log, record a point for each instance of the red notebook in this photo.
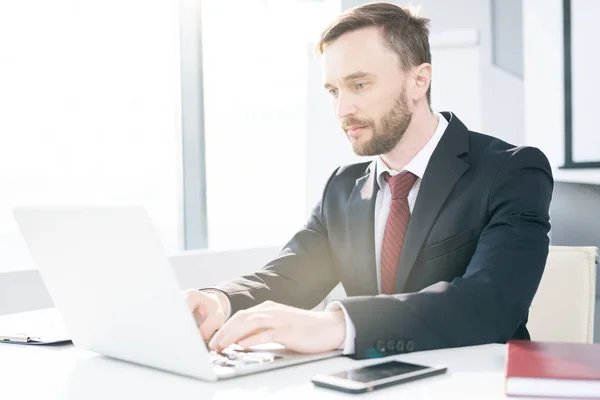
(553, 369)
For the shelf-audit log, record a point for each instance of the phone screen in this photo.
(379, 371)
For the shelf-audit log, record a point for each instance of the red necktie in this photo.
(395, 228)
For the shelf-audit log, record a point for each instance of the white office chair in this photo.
(563, 307)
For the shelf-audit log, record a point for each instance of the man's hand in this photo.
(298, 330)
(209, 309)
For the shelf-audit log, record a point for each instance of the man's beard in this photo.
(387, 133)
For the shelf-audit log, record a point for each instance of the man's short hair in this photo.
(403, 32)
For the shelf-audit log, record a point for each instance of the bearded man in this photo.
(439, 241)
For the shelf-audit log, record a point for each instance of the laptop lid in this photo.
(107, 273)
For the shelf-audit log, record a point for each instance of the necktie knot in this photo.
(401, 184)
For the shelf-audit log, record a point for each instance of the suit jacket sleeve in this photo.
(492, 298)
(301, 276)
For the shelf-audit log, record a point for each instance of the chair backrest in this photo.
(563, 307)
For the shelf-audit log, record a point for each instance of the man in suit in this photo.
(440, 241)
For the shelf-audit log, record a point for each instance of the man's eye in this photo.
(361, 85)
(333, 92)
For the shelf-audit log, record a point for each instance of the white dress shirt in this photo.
(382, 208)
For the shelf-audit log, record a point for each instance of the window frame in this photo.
(195, 219)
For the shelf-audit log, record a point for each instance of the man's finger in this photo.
(240, 326)
(194, 300)
(265, 336)
(209, 326)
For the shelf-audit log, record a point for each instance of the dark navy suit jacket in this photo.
(472, 259)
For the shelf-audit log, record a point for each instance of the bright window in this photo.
(89, 111)
(255, 57)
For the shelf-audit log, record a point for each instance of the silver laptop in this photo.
(107, 273)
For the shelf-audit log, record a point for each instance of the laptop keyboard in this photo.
(241, 358)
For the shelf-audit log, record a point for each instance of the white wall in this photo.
(502, 93)
(585, 79)
(457, 75)
(544, 84)
(543, 70)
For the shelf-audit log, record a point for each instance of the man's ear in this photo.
(421, 80)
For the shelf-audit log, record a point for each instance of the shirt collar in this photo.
(419, 163)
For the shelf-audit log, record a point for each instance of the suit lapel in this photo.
(441, 175)
(360, 222)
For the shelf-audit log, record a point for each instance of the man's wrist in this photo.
(339, 327)
(349, 330)
(223, 300)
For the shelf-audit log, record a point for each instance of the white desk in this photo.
(66, 372)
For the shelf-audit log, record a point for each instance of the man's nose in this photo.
(345, 108)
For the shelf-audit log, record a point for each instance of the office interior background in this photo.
(185, 107)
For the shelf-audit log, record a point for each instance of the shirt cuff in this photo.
(348, 345)
(224, 300)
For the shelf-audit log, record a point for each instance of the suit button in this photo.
(381, 346)
(410, 346)
(391, 346)
(400, 346)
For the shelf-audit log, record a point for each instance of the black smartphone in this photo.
(376, 376)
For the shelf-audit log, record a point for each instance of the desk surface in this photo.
(66, 372)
